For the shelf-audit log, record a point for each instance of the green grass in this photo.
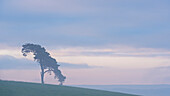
(12, 88)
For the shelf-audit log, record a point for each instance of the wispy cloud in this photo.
(110, 51)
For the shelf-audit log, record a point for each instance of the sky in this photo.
(96, 42)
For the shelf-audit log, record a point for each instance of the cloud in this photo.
(75, 66)
(10, 62)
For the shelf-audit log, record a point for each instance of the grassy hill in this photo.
(12, 88)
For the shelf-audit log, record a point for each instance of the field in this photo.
(12, 88)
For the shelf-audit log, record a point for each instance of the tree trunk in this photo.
(61, 83)
(42, 74)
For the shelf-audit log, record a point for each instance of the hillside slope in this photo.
(144, 90)
(12, 88)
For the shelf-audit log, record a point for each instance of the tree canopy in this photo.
(47, 63)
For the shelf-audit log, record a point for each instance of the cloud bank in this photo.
(9, 62)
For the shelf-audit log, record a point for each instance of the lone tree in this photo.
(47, 63)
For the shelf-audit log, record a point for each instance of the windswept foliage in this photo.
(47, 63)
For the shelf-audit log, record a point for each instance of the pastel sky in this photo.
(96, 42)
